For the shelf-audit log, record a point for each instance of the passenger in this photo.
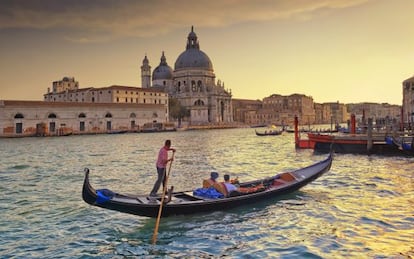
(207, 183)
(230, 188)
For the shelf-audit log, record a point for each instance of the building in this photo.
(38, 118)
(381, 113)
(241, 109)
(281, 110)
(193, 84)
(408, 102)
(111, 94)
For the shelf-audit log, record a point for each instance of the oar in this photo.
(157, 223)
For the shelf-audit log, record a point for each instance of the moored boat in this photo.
(188, 203)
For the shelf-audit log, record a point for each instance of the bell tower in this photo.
(145, 73)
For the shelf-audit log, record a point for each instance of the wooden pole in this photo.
(157, 223)
(296, 132)
(369, 136)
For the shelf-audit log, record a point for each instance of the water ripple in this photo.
(362, 208)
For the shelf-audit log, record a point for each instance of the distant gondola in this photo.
(269, 133)
(187, 203)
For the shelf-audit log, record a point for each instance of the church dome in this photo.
(163, 71)
(193, 57)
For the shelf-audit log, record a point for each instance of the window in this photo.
(108, 115)
(82, 115)
(52, 116)
(52, 126)
(18, 116)
(19, 128)
(82, 126)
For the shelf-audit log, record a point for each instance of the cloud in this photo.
(96, 20)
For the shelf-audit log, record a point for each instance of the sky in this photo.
(332, 50)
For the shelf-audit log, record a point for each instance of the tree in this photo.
(177, 111)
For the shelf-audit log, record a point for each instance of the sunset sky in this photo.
(333, 50)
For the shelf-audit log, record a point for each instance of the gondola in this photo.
(180, 203)
(269, 133)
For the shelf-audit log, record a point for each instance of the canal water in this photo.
(362, 208)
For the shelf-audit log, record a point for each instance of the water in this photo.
(362, 208)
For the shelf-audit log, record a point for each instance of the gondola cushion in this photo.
(208, 193)
(104, 195)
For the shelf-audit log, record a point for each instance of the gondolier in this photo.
(161, 165)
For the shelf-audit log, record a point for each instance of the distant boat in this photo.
(117, 131)
(269, 133)
(403, 143)
(158, 127)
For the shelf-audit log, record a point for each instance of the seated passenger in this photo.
(229, 188)
(207, 183)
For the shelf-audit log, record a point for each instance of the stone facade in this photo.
(37, 118)
(111, 94)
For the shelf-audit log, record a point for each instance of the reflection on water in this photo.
(362, 208)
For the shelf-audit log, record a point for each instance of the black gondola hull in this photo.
(183, 203)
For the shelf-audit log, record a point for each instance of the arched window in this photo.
(52, 116)
(108, 115)
(82, 115)
(199, 103)
(199, 86)
(18, 116)
(132, 115)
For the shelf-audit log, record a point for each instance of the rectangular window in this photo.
(82, 126)
(52, 127)
(19, 128)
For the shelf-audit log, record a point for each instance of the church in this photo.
(193, 83)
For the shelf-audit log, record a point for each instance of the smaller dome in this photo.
(163, 71)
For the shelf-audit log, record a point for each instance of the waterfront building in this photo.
(337, 113)
(408, 102)
(39, 118)
(193, 83)
(381, 113)
(241, 107)
(281, 110)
